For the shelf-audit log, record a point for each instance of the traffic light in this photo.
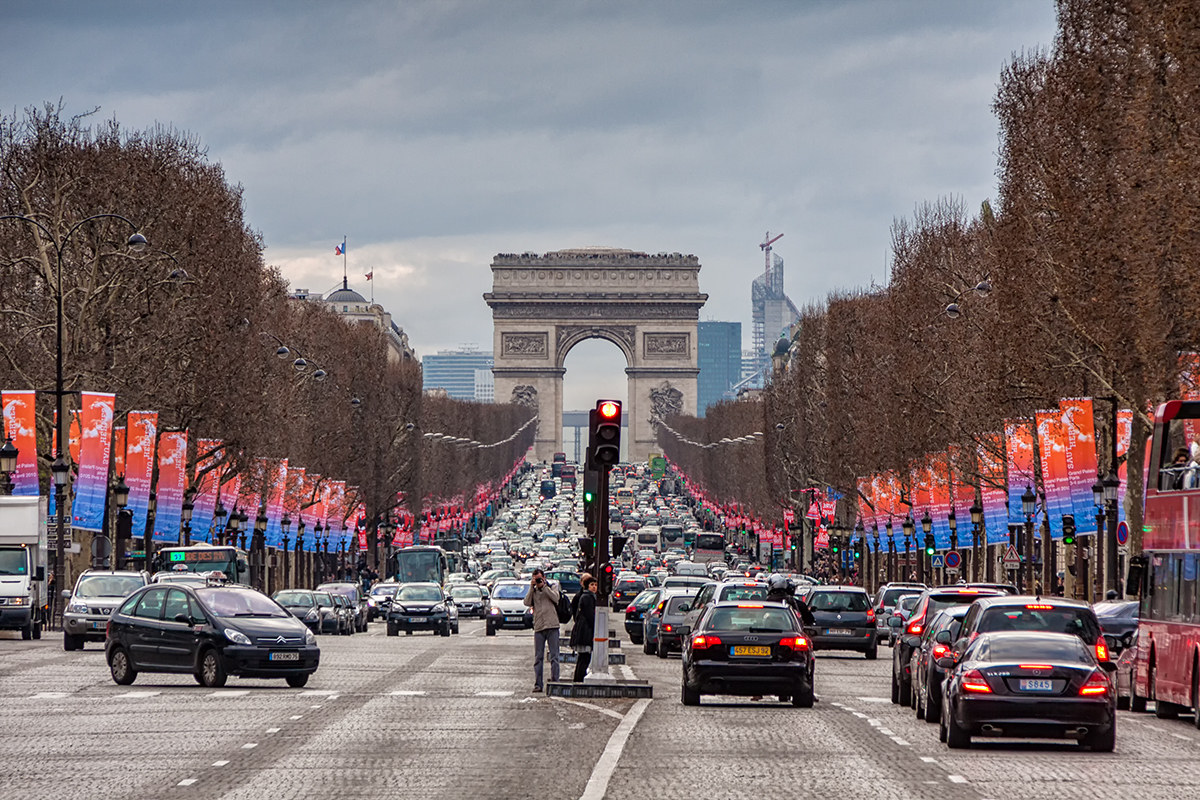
(858, 549)
(587, 546)
(618, 545)
(606, 579)
(1068, 523)
(835, 543)
(606, 433)
(930, 549)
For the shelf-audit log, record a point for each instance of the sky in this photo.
(433, 135)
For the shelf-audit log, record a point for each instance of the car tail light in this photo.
(797, 643)
(1101, 650)
(1035, 666)
(973, 681)
(940, 650)
(704, 642)
(914, 627)
(1039, 606)
(748, 605)
(631, 610)
(870, 615)
(667, 628)
(1096, 685)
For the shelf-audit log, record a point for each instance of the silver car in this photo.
(97, 593)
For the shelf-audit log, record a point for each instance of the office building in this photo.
(719, 359)
(455, 371)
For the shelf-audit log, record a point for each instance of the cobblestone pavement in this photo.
(428, 717)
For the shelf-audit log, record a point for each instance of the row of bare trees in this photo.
(191, 326)
(1078, 281)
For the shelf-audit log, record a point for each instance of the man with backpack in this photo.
(543, 598)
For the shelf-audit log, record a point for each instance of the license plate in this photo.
(416, 619)
(99, 625)
(751, 650)
(838, 632)
(512, 619)
(1028, 685)
(283, 657)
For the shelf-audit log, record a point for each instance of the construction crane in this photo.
(766, 248)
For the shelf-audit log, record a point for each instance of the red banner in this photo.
(140, 446)
(1079, 430)
(1018, 444)
(20, 425)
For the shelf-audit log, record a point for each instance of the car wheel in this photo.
(933, 704)
(895, 689)
(1137, 704)
(690, 696)
(297, 681)
(27, 632)
(72, 642)
(920, 705)
(212, 672)
(491, 631)
(120, 667)
(1162, 709)
(37, 631)
(647, 648)
(635, 638)
(1196, 693)
(1102, 741)
(392, 630)
(456, 627)
(445, 631)
(803, 698)
(662, 650)
(942, 726)
(872, 652)
(956, 737)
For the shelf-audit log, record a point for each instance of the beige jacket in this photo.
(544, 603)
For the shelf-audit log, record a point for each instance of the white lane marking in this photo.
(187, 781)
(900, 741)
(597, 784)
(1181, 736)
(272, 730)
(49, 695)
(591, 706)
(1155, 728)
(334, 696)
(231, 693)
(928, 760)
(296, 716)
(407, 693)
(318, 692)
(626, 672)
(838, 705)
(885, 732)
(220, 763)
(874, 699)
(858, 714)
(874, 723)
(493, 694)
(956, 779)
(249, 745)
(314, 706)
(133, 695)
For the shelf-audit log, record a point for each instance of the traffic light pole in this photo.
(598, 671)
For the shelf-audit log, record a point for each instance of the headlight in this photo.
(440, 607)
(494, 611)
(237, 637)
(18, 601)
(308, 637)
(77, 608)
(312, 614)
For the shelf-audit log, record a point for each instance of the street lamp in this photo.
(976, 556)
(8, 465)
(1111, 485)
(909, 528)
(124, 520)
(61, 470)
(891, 540)
(1028, 507)
(926, 527)
(148, 531)
(220, 514)
(185, 517)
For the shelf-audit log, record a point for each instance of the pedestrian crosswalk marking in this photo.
(408, 693)
(139, 694)
(493, 694)
(49, 695)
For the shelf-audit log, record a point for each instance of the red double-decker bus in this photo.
(1168, 651)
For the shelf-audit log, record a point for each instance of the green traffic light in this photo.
(929, 551)
(587, 497)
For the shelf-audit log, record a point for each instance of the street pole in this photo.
(1111, 485)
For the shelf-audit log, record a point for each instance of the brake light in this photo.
(870, 615)
(795, 643)
(667, 628)
(748, 605)
(968, 591)
(1096, 685)
(940, 650)
(1035, 666)
(632, 609)
(704, 642)
(1039, 606)
(914, 627)
(973, 681)
(1101, 650)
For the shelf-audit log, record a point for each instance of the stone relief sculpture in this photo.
(524, 395)
(524, 344)
(665, 401)
(666, 344)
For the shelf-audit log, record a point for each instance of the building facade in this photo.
(455, 371)
(353, 307)
(719, 359)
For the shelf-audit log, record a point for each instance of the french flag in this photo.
(340, 250)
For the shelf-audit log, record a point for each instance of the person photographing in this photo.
(542, 597)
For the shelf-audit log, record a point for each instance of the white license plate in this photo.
(1029, 685)
(99, 625)
(416, 619)
(838, 632)
(283, 657)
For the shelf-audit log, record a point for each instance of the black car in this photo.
(748, 649)
(1119, 620)
(635, 613)
(673, 623)
(357, 601)
(625, 589)
(1029, 613)
(210, 632)
(420, 607)
(471, 599)
(926, 674)
(908, 632)
(303, 605)
(1029, 685)
(845, 620)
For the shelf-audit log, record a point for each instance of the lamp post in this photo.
(148, 531)
(286, 525)
(300, 578)
(317, 536)
(1097, 575)
(952, 520)
(1028, 508)
(875, 563)
(257, 547)
(861, 533)
(124, 520)
(8, 465)
(891, 543)
(136, 242)
(219, 515)
(926, 527)
(185, 517)
(909, 527)
(976, 556)
(1111, 485)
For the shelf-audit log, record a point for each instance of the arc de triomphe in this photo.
(647, 305)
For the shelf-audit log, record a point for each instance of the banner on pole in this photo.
(172, 479)
(20, 425)
(141, 443)
(95, 438)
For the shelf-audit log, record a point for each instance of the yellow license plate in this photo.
(751, 650)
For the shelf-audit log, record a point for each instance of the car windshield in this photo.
(323, 598)
(465, 591)
(345, 590)
(750, 619)
(418, 593)
(234, 602)
(384, 589)
(510, 591)
(1034, 648)
(755, 592)
(107, 585)
(294, 598)
(1039, 617)
(675, 604)
(908, 602)
(839, 601)
(12, 561)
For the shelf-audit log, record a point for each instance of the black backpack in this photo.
(564, 607)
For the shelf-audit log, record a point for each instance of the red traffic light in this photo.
(609, 409)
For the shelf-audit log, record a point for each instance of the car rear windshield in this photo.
(294, 598)
(1035, 648)
(839, 601)
(385, 589)
(1040, 617)
(644, 599)
(756, 592)
(675, 603)
(512, 591)
(890, 596)
(465, 591)
(631, 583)
(908, 602)
(750, 619)
(939, 601)
(418, 593)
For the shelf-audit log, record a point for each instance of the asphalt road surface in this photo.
(426, 717)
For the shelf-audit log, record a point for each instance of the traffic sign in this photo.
(1122, 532)
(953, 560)
(1012, 559)
(938, 562)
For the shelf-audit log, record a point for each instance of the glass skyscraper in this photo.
(719, 359)
(455, 371)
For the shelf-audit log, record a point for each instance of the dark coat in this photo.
(585, 619)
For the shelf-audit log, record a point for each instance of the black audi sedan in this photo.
(210, 632)
(748, 649)
(1029, 685)
(421, 607)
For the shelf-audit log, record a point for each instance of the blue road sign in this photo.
(1122, 532)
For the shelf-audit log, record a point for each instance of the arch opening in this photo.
(595, 370)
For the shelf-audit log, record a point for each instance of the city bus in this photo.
(203, 557)
(421, 564)
(625, 499)
(1167, 664)
(709, 547)
(671, 536)
(648, 538)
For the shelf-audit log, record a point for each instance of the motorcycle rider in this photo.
(782, 590)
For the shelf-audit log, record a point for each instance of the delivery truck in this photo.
(23, 558)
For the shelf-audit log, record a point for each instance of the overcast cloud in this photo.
(436, 134)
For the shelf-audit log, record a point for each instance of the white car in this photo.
(506, 607)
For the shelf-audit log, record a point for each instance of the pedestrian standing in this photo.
(584, 632)
(543, 599)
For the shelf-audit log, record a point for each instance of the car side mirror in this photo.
(947, 662)
(66, 593)
(185, 619)
(1127, 639)
(943, 637)
(242, 565)
(895, 621)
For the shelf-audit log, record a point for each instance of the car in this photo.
(380, 599)
(331, 616)
(358, 602)
(926, 674)
(422, 607)
(507, 608)
(471, 599)
(746, 649)
(490, 577)
(346, 614)
(1126, 674)
(302, 603)
(1028, 685)
(653, 615)
(885, 603)
(635, 613)
(209, 632)
(693, 582)
(673, 623)
(690, 568)
(565, 580)
(460, 577)
(625, 589)
(908, 632)
(1032, 613)
(845, 620)
(903, 609)
(1119, 621)
(97, 592)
